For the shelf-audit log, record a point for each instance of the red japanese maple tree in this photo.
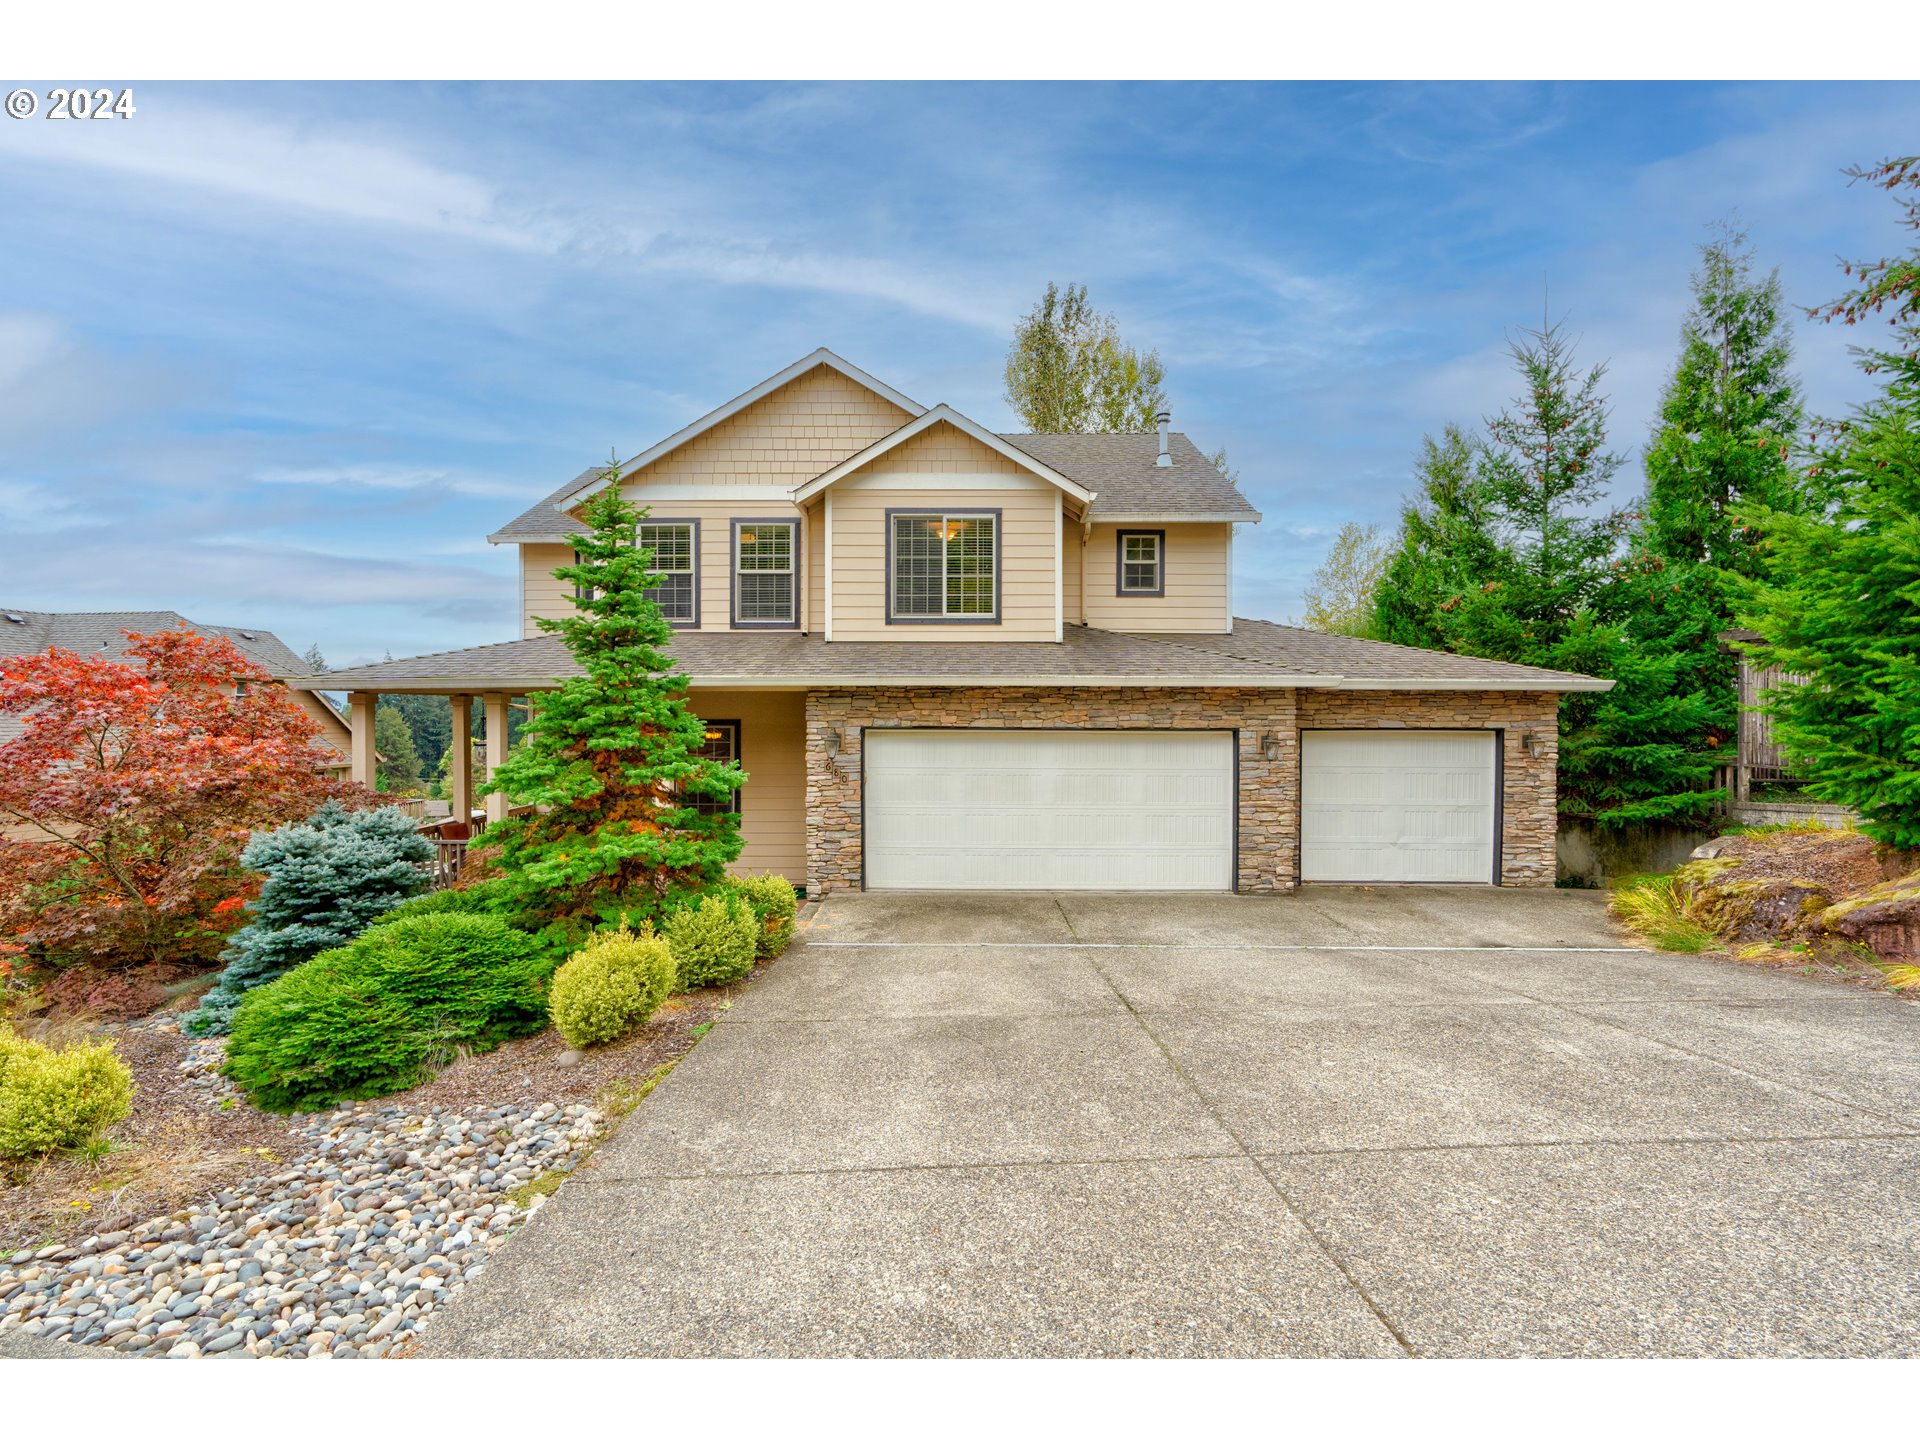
(125, 803)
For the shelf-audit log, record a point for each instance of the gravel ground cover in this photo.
(344, 1250)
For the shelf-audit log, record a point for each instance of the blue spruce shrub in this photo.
(328, 877)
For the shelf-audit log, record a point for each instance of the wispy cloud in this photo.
(407, 478)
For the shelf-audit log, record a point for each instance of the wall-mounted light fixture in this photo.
(832, 738)
(1270, 745)
(1532, 744)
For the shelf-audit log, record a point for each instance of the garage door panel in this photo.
(1032, 810)
(1387, 805)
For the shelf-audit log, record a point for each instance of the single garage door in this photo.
(1397, 805)
(1049, 810)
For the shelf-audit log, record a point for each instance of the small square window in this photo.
(1142, 562)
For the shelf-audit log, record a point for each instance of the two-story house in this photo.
(954, 659)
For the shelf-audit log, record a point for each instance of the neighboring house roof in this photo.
(103, 632)
(942, 414)
(1257, 655)
(1119, 469)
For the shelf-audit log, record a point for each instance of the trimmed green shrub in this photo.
(475, 900)
(380, 1014)
(328, 877)
(57, 1099)
(612, 986)
(775, 904)
(713, 942)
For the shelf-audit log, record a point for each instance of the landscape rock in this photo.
(342, 1254)
(1886, 919)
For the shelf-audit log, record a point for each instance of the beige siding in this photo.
(1027, 555)
(1198, 560)
(816, 613)
(541, 592)
(1071, 551)
(805, 427)
(773, 802)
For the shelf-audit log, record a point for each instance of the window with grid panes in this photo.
(763, 572)
(722, 744)
(944, 567)
(1140, 561)
(673, 562)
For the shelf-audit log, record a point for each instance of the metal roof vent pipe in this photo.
(1162, 419)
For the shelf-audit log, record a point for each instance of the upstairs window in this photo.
(675, 545)
(1143, 562)
(944, 567)
(765, 574)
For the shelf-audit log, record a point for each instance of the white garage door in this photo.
(1049, 810)
(1397, 805)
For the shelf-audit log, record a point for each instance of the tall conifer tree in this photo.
(611, 758)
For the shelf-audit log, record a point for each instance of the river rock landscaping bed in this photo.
(345, 1252)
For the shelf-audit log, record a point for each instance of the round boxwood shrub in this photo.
(380, 1014)
(612, 986)
(774, 904)
(713, 942)
(57, 1099)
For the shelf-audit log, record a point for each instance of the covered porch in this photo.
(762, 729)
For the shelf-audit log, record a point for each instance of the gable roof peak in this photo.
(805, 364)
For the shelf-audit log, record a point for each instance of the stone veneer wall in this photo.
(1269, 790)
(1530, 804)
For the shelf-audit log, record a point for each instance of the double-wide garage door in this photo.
(1049, 810)
(1154, 809)
(1397, 805)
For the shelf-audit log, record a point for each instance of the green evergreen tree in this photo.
(1729, 421)
(399, 768)
(328, 878)
(1446, 550)
(1840, 601)
(609, 758)
(1508, 554)
(430, 721)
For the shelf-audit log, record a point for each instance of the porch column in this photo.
(360, 707)
(495, 703)
(460, 758)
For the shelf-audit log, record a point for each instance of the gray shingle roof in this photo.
(1121, 472)
(1257, 654)
(99, 632)
(543, 521)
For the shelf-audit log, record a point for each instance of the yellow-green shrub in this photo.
(56, 1099)
(615, 982)
(774, 904)
(713, 942)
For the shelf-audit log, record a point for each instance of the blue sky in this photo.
(284, 355)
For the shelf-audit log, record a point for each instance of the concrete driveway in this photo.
(1342, 1122)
